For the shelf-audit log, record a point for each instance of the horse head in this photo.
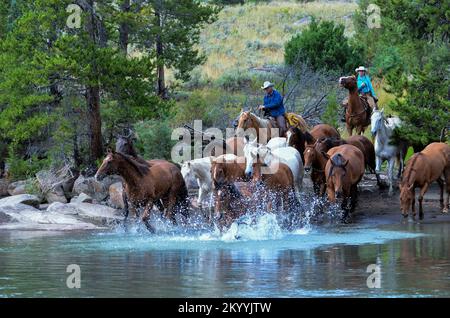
(109, 165)
(348, 82)
(310, 156)
(338, 171)
(376, 121)
(406, 197)
(250, 153)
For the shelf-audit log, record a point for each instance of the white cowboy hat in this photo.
(361, 68)
(267, 84)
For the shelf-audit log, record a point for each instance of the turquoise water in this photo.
(258, 260)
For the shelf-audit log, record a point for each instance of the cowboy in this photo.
(365, 86)
(273, 105)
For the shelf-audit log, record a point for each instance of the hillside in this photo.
(253, 34)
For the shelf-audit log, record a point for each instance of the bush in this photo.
(20, 169)
(154, 138)
(332, 111)
(324, 46)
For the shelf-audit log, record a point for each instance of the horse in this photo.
(125, 145)
(383, 129)
(298, 139)
(229, 205)
(145, 184)
(277, 181)
(344, 170)
(357, 114)
(249, 120)
(200, 170)
(359, 141)
(422, 169)
(233, 145)
(287, 155)
(315, 162)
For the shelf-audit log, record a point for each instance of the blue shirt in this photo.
(273, 102)
(366, 88)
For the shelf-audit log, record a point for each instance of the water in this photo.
(258, 260)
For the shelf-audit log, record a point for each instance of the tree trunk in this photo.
(162, 92)
(95, 123)
(124, 28)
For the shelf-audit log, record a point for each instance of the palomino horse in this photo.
(424, 168)
(262, 127)
(383, 129)
(359, 141)
(344, 170)
(298, 139)
(357, 115)
(146, 184)
(287, 155)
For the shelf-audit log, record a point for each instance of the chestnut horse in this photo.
(278, 181)
(359, 141)
(298, 139)
(145, 184)
(422, 169)
(344, 170)
(227, 169)
(357, 114)
(229, 205)
(263, 127)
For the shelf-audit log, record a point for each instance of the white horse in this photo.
(277, 142)
(287, 155)
(200, 169)
(383, 129)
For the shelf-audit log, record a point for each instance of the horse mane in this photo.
(337, 161)
(308, 137)
(331, 142)
(410, 172)
(140, 167)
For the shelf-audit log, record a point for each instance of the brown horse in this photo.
(422, 169)
(229, 205)
(298, 139)
(359, 141)
(262, 127)
(145, 184)
(357, 114)
(226, 169)
(344, 170)
(277, 181)
(315, 162)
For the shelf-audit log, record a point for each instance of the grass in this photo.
(253, 35)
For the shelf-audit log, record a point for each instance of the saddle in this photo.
(291, 120)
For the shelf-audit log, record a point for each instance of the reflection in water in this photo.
(414, 261)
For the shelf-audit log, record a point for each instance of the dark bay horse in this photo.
(357, 115)
(422, 169)
(298, 139)
(344, 170)
(145, 184)
(229, 205)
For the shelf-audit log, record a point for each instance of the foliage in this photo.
(154, 138)
(323, 46)
(332, 111)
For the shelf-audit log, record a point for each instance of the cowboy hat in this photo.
(361, 68)
(267, 84)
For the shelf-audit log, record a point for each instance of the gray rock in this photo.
(18, 187)
(116, 195)
(97, 190)
(96, 211)
(56, 195)
(26, 199)
(4, 188)
(82, 198)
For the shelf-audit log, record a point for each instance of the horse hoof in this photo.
(445, 211)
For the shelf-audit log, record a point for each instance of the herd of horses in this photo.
(251, 172)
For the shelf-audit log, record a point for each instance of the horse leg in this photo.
(391, 176)
(170, 213)
(421, 194)
(349, 130)
(447, 182)
(146, 216)
(441, 197)
(126, 210)
(353, 197)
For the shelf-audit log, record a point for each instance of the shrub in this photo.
(332, 111)
(154, 138)
(323, 46)
(20, 169)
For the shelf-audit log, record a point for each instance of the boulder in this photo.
(97, 190)
(116, 195)
(82, 198)
(18, 187)
(56, 195)
(57, 184)
(4, 187)
(96, 211)
(24, 199)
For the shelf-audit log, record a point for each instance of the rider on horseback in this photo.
(273, 106)
(365, 86)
